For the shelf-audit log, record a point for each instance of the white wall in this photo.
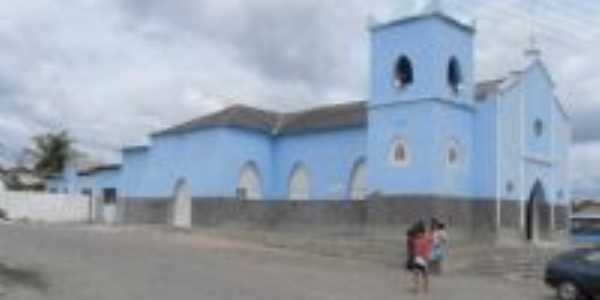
(45, 207)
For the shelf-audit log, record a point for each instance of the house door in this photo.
(109, 205)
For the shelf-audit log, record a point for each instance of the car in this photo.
(575, 274)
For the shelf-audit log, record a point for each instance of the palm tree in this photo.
(51, 152)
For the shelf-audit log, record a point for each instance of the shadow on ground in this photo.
(11, 276)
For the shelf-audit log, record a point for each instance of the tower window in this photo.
(454, 75)
(399, 155)
(403, 73)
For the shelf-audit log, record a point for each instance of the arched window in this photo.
(250, 184)
(358, 181)
(454, 75)
(399, 155)
(510, 187)
(403, 72)
(299, 184)
(538, 127)
(454, 154)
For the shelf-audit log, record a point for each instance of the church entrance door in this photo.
(537, 215)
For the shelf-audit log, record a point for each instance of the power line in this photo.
(493, 13)
(551, 19)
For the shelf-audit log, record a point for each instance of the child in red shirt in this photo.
(423, 244)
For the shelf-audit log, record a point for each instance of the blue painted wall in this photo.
(134, 171)
(214, 169)
(195, 156)
(485, 156)
(239, 147)
(410, 122)
(329, 157)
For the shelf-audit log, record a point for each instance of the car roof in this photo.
(586, 216)
(579, 252)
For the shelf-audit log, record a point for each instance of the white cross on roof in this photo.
(434, 6)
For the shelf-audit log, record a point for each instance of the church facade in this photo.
(428, 131)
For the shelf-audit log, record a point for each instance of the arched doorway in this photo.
(358, 181)
(299, 184)
(250, 184)
(537, 214)
(182, 206)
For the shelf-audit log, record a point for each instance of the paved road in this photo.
(135, 263)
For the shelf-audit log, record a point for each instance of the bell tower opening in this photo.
(403, 73)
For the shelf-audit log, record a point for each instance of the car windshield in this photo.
(593, 257)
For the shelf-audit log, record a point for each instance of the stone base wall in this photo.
(510, 214)
(279, 214)
(476, 218)
(561, 217)
(145, 211)
(472, 218)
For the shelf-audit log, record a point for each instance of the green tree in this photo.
(51, 152)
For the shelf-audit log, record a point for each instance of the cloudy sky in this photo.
(111, 71)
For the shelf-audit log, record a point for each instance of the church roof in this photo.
(98, 168)
(351, 114)
(234, 116)
(487, 88)
(438, 14)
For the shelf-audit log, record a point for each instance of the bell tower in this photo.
(429, 55)
(421, 100)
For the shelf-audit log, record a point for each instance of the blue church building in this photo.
(429, 137)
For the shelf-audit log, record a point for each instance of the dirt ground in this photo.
(83, 262)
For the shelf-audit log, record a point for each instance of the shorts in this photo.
(420, 264)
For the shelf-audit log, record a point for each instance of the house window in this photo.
(403, 73)
(86, 192)
(399, 155)
(454, 75)
(538, 127)
(109, 195)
